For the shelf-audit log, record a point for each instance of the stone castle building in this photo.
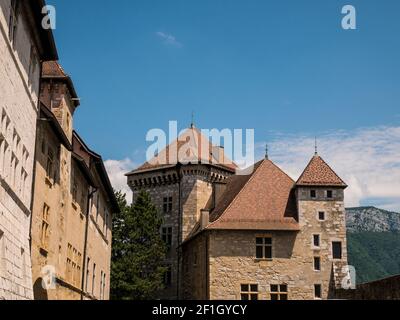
(256, 236)
(24, 44)
(73, 201)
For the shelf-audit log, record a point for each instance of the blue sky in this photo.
(285, 68)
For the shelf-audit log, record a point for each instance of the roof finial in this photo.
(192, 124)
(266, 152)
(316, 146)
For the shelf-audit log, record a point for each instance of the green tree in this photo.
(138, 251)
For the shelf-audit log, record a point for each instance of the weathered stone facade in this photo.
(191, 188)
(73, 202)
(23, 45)
(218, 227)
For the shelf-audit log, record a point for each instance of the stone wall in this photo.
(171, 219)
(19, 85)
(332, 229)
(99, 246)
(191, 190)
(385, 289)
(195, 281)
(66, 219)
(232, 259)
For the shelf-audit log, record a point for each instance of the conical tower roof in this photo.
(319, 173)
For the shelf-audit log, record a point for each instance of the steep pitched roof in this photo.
(190, 147)
(319, 173)
(53, 70)
(263, 200)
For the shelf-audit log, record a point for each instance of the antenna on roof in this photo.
(192, 124)
(266, 152)
(316, 146)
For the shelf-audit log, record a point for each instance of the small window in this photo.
(279, 292)
(167, 204)
(264, 248)
(167, 236)
(337, 250)
(313, 194)
(321, 216)
(318, 291)
(249, 292)
(168, 277)
(329, 194)
(13, 20)
(317, 264)
(317, 240)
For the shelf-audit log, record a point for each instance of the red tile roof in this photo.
(264, 200)
(191, 147)
(53, 70)
(319, 173)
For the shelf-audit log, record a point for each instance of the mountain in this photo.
(373, 242)
(372, 219)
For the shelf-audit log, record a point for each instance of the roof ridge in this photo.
(262, 162)
(279, 168)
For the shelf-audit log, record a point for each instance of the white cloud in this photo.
(169, 39)
(368, 159)
(116, 170)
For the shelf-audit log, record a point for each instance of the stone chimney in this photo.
(204, 219)
(218, 190)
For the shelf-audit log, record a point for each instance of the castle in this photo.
(260, 236)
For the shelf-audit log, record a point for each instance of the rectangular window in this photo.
(279, 292)
(74, 191)
(168, 277)
(2, 255)
(105, 222)
(317, 264)
(329, 194)
(167, 236)
(317, 240)
(104, 286)
(87, 274)
(45, 227)
(93, 278)
(101, 285)
(13, 20)
(264, 248)
(337, 250)
(167, 204)
(49, 164)
(321, 216)
(249, 292)
(318, 291)
(313, 194)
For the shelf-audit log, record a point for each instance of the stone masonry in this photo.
(20, 57)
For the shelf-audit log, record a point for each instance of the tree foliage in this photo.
(138, 251)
